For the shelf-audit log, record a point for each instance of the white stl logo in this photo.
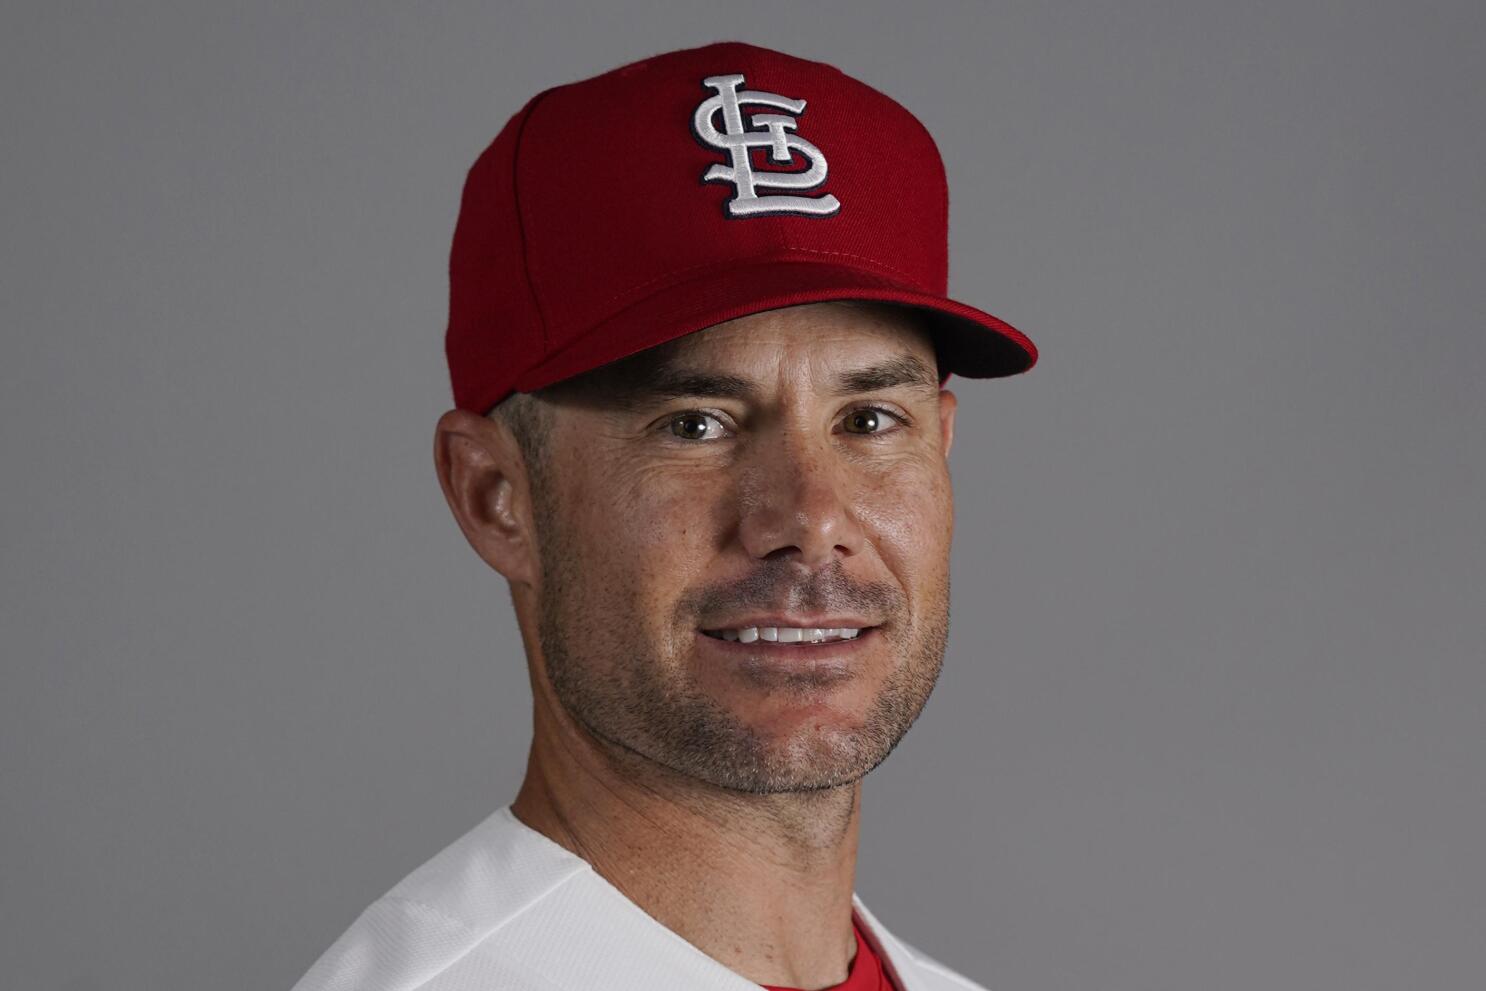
(775, 132)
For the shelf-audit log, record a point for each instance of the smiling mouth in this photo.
(787, 634)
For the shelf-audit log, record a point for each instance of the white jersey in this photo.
(504, 908)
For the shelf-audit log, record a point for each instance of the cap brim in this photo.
(968, 341)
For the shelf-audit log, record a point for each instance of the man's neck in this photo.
(760, 883)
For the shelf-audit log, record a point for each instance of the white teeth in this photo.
(788, 634)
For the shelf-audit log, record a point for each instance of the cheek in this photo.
(908, 511)
(645, 532)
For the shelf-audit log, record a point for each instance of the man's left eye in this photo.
(868, 420)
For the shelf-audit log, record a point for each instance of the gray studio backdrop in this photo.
(1212, 715)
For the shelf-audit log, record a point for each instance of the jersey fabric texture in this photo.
(866, 972)
(504, 908)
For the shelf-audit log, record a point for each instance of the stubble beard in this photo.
(615, 683)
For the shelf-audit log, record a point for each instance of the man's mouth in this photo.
(787, 634)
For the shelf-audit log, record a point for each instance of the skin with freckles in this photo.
(788, 464)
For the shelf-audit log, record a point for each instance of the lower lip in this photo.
(800, 655)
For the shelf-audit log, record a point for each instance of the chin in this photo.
(808, 750)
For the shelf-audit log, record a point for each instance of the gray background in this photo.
(1214, 714)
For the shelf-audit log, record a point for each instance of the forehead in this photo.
(817, 335)
(823, 330)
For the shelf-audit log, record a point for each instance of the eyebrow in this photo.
(667, 382)
(904, 370)
(675, 383)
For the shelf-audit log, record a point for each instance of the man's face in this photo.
(783, 470)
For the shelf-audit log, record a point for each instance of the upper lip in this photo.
(805, 623)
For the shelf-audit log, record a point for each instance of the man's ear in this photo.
(487, 487)
(948, 402)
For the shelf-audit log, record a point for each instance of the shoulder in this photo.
(919, 970)
(935, 976)
(464, 897)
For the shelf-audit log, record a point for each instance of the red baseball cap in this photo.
(666, 196)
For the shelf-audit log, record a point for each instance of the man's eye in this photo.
(868, 420)
(696, 426)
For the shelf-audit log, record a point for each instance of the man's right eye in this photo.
(697, 426)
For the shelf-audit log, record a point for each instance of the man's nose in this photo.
(797, 502)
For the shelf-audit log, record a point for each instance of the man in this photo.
(698, 337)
